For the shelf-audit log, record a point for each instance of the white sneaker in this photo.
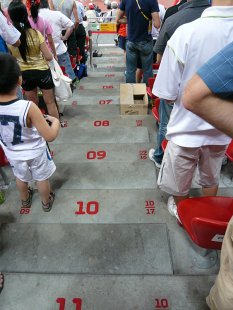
(151, 156)
(172, 208)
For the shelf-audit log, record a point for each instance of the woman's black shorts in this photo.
(37, 78)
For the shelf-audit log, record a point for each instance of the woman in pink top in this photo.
(38, 23)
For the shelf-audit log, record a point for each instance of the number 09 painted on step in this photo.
(99, 155)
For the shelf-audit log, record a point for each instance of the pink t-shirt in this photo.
(42, 25)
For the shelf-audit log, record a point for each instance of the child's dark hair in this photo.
(35, 5)
(9, 73)
(19, 16)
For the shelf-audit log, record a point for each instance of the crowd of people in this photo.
(195, 91)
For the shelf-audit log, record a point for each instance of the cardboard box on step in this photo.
(133, 99)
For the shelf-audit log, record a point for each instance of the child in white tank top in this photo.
(23, 135)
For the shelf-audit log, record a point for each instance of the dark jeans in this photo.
(71, 44)
(143, 51)
(165, 110)
(80, 34)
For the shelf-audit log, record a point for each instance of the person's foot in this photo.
(1, 281)
(151, 156)
(172, 208)
(48, 206)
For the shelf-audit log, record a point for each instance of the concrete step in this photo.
(50, 291)
(99, 85)
(108, 68)
(80, 99)
(110, 59)
(104, 135)
(73, 153)
(104, 175)
(85, 249)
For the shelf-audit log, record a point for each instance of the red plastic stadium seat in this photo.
(164, 144)
(229, 151)
(3, 160)
(205, 219)
(150, 87)
(73, 61)
(155, 109)
(156, 66)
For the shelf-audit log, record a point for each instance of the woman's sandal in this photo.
(48, 206)
(28, 202)
(1, 288)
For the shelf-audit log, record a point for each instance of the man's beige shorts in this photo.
(179, 165)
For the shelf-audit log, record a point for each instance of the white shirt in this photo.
(81, 12)
(188, 49)
(155, 31)
(7, 31)
(91, 16)
(18, 141)
(59, 22)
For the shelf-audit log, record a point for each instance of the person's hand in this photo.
(50, 118)
(63, 38)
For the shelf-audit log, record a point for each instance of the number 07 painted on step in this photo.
(76, 301)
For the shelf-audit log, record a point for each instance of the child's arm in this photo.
(36, 118)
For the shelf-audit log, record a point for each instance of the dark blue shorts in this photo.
(122, 42)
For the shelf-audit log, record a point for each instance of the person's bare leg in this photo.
(31, 95)
(210, 191)
(1, 280)
(44, 190)
(23, 189)
(139, 74)
(49, 99)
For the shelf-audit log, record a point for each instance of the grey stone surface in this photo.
(95, 86)
(73, 153)
(101, 100)
(85, 249)
(105, 292)
(104, 135)
(95, 175)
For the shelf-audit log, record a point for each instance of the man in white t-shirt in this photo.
(193, 143)
(68, 7)
(59, 22)
(8, 32)
(80, 32)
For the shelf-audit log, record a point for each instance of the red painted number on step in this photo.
(74, 104)
(99, 155)
(91, 208)
(109, 75)
(76, 301)
(143, 154)
(25, 211)
(105, 101)
(150, 207)
(81, 87)
(161, 303)
(138, 123)
(101, 123)
(107, 86)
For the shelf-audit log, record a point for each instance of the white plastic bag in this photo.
(61, 82)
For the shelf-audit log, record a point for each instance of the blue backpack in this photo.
(80, 71)
(3, 47)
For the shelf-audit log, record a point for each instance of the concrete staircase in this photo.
(109, 242)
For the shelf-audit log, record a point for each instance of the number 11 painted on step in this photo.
(76, 301)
